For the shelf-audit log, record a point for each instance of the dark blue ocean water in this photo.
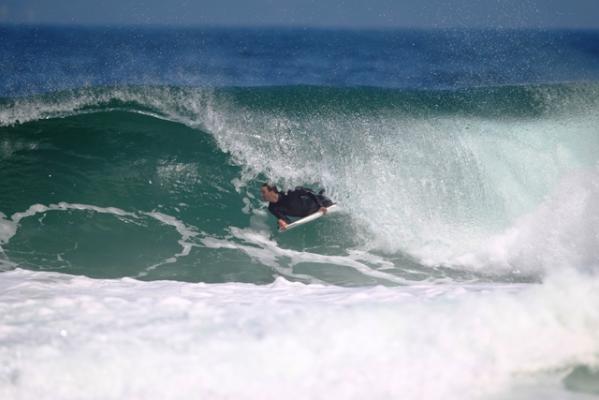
(37, 59)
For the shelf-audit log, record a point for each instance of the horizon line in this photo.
(296, 26)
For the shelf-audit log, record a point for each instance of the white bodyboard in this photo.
(309, 218)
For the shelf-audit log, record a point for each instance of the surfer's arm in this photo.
(282, 224)
(274, 210)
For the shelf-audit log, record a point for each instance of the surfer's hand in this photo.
(282, 224)
(323, 210)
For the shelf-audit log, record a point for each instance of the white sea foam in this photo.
(77, 338)
(561, 233)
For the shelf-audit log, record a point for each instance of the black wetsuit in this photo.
(298, 203)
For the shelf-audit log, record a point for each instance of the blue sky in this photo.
(315, 13)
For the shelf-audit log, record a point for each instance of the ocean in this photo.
(137, 260)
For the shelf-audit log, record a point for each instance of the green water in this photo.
(422, 177)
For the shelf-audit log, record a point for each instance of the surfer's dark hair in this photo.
(271, 188)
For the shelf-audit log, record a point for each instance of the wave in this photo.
(430, 181)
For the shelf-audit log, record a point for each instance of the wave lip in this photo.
(194, 105)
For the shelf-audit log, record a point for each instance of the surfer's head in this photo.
(269, 193)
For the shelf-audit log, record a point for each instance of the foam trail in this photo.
(9, 227)
(268, 251)
(185, 231)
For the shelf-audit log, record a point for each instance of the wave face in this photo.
(162, 182)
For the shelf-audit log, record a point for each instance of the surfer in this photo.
(299, 202)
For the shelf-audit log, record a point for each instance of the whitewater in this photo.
(138, 261)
